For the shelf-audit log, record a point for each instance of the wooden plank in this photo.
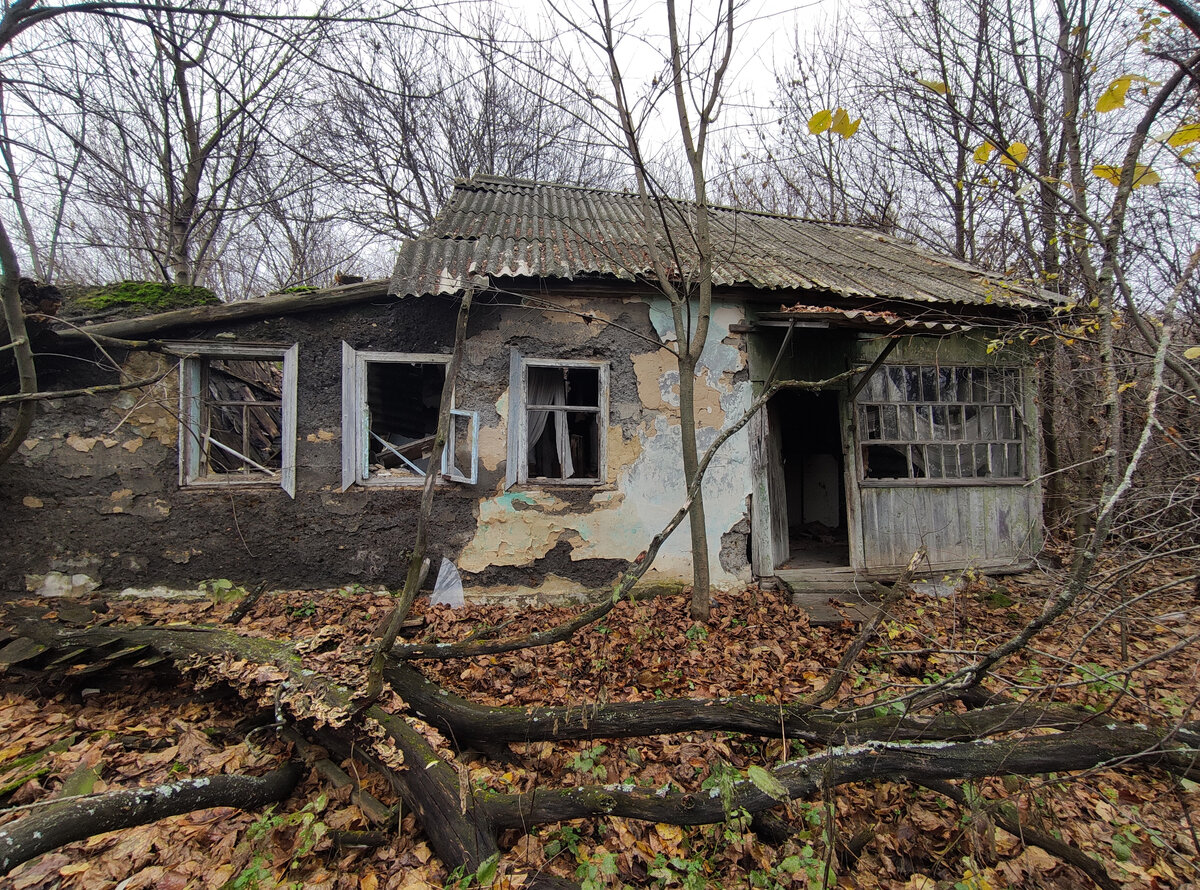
(829, 604)
(777, 487)
(974, 509)
(351, 400)
(513, 473)
(290, 393)
(850, 481)
(959, 525)
(761, 557)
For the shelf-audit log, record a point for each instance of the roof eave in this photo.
(269, 306)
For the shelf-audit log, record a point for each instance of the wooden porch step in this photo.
(828, 604)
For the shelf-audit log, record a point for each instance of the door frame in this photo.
(767, 479)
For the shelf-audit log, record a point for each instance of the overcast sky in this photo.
(764, 35)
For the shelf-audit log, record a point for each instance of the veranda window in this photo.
(934, 422)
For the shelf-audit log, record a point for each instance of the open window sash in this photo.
(460, 458)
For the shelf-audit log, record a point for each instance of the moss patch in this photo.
(147, 296)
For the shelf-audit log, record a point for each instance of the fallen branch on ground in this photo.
(79, 819)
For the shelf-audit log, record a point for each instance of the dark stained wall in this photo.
(94, 491)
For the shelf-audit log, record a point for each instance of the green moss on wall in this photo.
(148, 296)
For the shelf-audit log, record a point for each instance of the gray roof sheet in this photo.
(510, 228)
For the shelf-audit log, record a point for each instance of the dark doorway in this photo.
(810, 448)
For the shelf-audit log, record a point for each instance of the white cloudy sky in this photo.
(765, 32)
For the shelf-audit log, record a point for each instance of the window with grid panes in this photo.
(936, 422)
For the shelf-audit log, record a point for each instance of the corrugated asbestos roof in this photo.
(510, 228)
(861, 319)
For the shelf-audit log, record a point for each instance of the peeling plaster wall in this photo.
(644, 484)
(93, 495)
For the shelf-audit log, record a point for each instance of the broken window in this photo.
(237, 415)
(390, 417)
(560, 416)
(922, 422)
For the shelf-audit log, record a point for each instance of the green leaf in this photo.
(792, 865)
(820, 121)
(486, 872)
(767, 783)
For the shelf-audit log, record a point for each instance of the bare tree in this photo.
(695, 55)
(183, 108)
(431, 106)
(166, 149)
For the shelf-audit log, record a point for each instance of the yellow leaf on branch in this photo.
(983, 153)
(938, 86)
(1114, 97)
(1017, 153)
(1184, 135)
(820, 121)
(843, 126)
(1142, 174)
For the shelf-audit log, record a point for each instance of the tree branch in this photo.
(34, 835)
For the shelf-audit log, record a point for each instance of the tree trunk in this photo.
(463, 822)
(416, 561)
(79, 819)
(701, 593)
(22, 349)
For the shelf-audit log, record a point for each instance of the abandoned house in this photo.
(286, 437)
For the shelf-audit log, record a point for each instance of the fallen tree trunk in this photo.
(467, 723)
(428, 784)
(870, 762)
(78, 819)
(463, 822)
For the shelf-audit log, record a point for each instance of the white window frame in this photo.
(517, 467)
(193, 356)
(356, 421)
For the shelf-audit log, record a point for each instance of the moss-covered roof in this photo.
(137, 298)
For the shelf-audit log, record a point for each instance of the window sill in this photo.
(943, 483)
(210, 484)
(405, 484)
(538, 484)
